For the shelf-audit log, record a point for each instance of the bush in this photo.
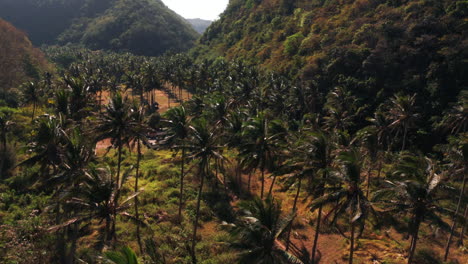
(292, 43)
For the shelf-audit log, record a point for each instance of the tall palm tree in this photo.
(456, 153)
(262, 139)
(116, 123)
(347, 198)
(46, 145)
(320, 148)
(414, 192)
(138, 135)
(369, 142)
(6, 123)
(456, 120)
(176, 131)
(32, 93)
(203, 147)
(403, 115)
(257, 234)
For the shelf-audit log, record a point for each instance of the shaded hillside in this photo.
(200, 25)
(372, 47)
(144, 27)
(19, 60)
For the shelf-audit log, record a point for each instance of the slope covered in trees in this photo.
(143, 27)
(19, 60)
(372, 47)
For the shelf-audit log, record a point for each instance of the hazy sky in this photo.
(205, 9)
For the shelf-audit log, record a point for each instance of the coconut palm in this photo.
(124, 256)
(46, 145)
(138, 135)
(116, 123)
(257, 234)
(320, 149)
(403, 115)
(262, 139)
(32, 93)
(456, 119)
(203, 147)
(6, 123)
(456, 153)
(346, 196)
(414, 192)
(176, 132)
(94, 199)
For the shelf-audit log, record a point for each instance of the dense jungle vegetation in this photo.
(143, 27)
(221, 156)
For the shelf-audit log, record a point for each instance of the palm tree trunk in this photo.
(368, 181)
(454, 224)
(462, 233)
(117, 186)
(263, 182)
(351, 249)
(181, 192)
(137, 215)
(405, 132)
(197, 216)
(317, 232)
(270, 192)
(293, 211)
(33, 112)
(248, 183)
(4, 146)
(414, 240)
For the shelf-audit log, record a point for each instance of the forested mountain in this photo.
(19, 60)
(143, 27)
(372, 47)
(200, 25)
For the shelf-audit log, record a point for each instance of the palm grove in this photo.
(242, 138)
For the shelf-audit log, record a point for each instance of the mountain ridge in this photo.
(143, 27)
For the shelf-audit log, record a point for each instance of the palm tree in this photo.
(32, 95)
(456, 120)
(95, 198)
(116, 123)
(203, 147)
(414, 192)
(456, 153)
(138, 134)
(403, 115)
(257, 234)
(320, 149)
(177, 131)
(348, 196)
(369, 142)
(262, 139)
(341, 108)
(124, 256)
(47, 143)
(5, 124)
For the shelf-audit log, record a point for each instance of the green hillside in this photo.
(143, 27)
(200, 25)
(372, 47)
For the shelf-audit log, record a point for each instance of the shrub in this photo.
(292, 43)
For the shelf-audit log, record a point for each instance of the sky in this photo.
(204, 9)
